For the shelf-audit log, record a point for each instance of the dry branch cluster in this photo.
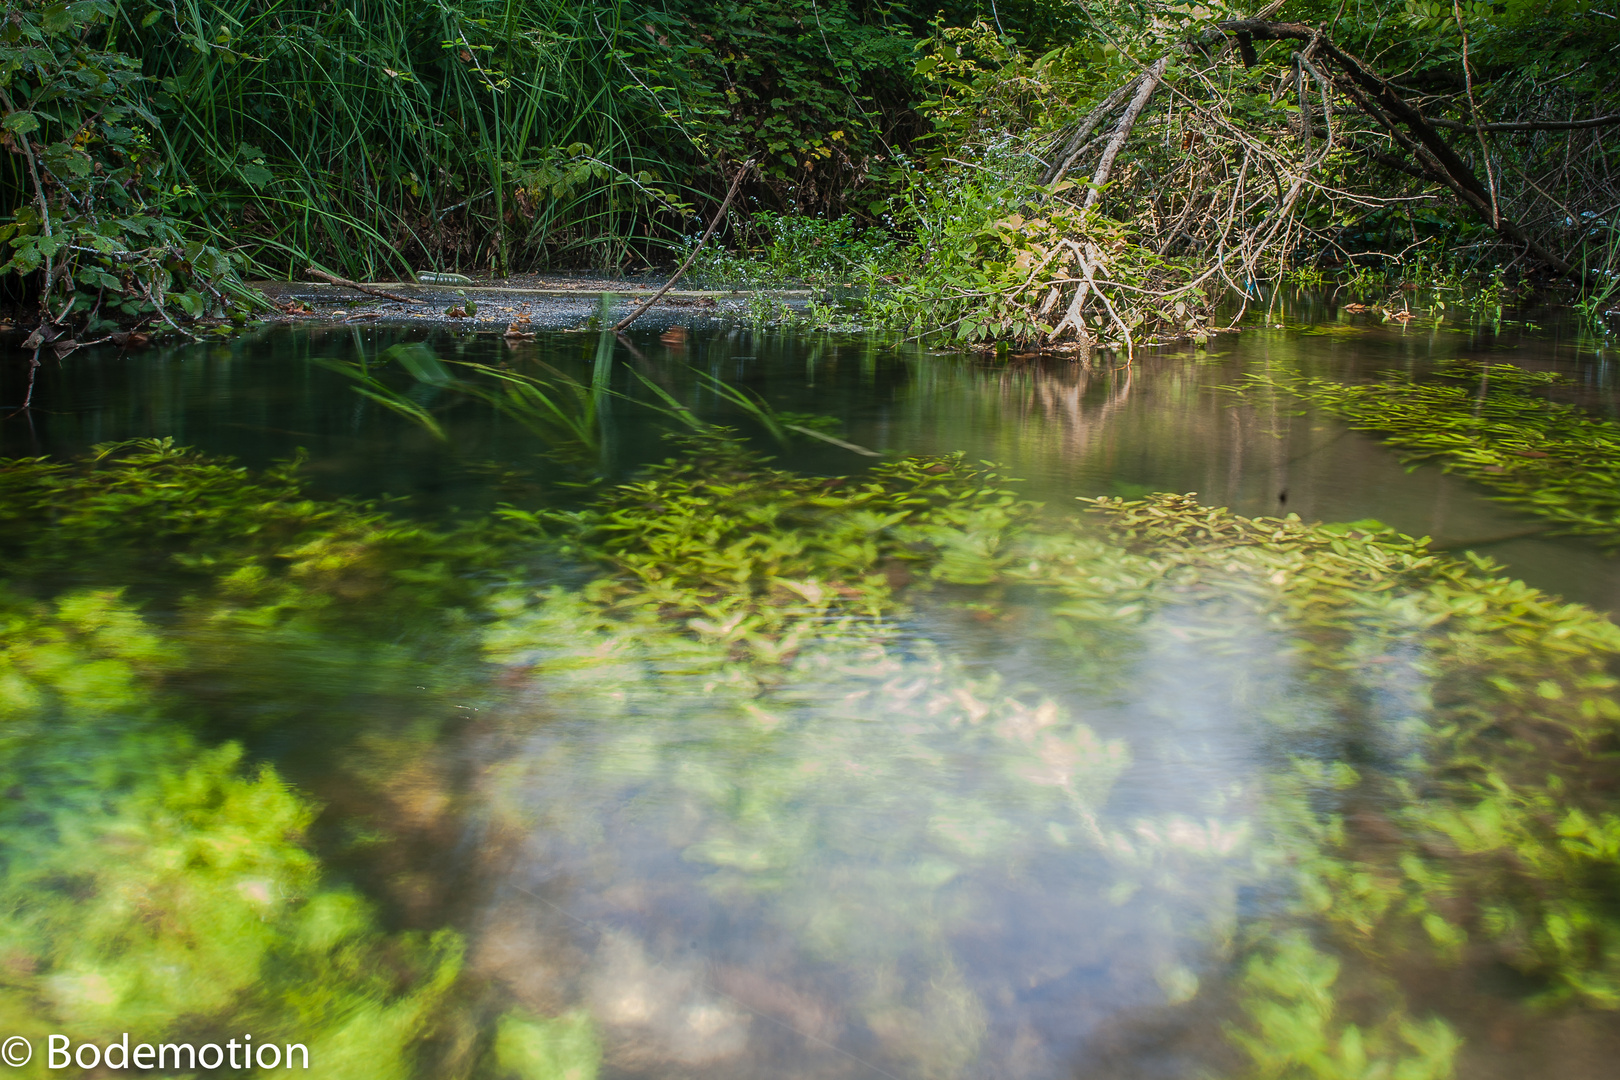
(1230, 167)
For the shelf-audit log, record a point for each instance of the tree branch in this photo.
(1122, 130)
(719, 216)
(1532, 125)
(1394, 113)
(321, 275)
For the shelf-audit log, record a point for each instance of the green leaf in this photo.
(20, 123)
(256, 175)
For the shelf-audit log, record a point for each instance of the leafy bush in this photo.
(792, 249)
(99, 234)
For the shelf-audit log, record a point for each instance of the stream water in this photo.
(863, 870)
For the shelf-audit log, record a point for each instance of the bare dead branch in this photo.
(332, 279)
(1122, 130)
(1077, 142)
(1608, 120)
(719, 216)
(1379, 100)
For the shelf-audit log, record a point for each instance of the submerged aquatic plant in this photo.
(154, 884)
(738, 651)
(719, 536)
(146, 507)
(151, 877)
(1476, 827)
(1491, 423)
(1481, 682)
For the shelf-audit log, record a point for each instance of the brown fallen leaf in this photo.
(42, 335)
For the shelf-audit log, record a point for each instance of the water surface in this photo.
(959, 848)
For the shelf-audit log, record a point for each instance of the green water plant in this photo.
(1480, 832)
(1494, 424)
(717, 532)
(1490, 841)
(154, 884)
(743, 647)
(148, 509)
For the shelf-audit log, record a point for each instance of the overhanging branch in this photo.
(1404, 123)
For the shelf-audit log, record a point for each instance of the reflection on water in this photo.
(1008, 834)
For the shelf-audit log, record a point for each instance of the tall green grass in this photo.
(379, 136)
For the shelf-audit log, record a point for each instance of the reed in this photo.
(381, 136)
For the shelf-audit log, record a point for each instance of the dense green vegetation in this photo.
(179, 636)
(1441, 805)
(157, 153)
(155, 879)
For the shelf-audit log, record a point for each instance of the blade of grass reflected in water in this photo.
(753, 405)
(424, 367)
(601, 377)
(573, 418)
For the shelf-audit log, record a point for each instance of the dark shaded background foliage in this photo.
(187, 140)
(379, 135)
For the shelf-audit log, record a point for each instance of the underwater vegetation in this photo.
(158, 885)
(735, 687)
(1477, 775)
(155, 878)
(1491, 423)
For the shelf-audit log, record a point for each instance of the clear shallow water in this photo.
(975, 852)
(1161, 425)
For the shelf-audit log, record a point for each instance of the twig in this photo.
(146, 290)
(719, 216)
(332, 279)
(1404, 123)
(1473, 111)
(44, 213)
(1122, 130)
(1323, 86)
(1608, 120)
(1077, 142)
(28, 400)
